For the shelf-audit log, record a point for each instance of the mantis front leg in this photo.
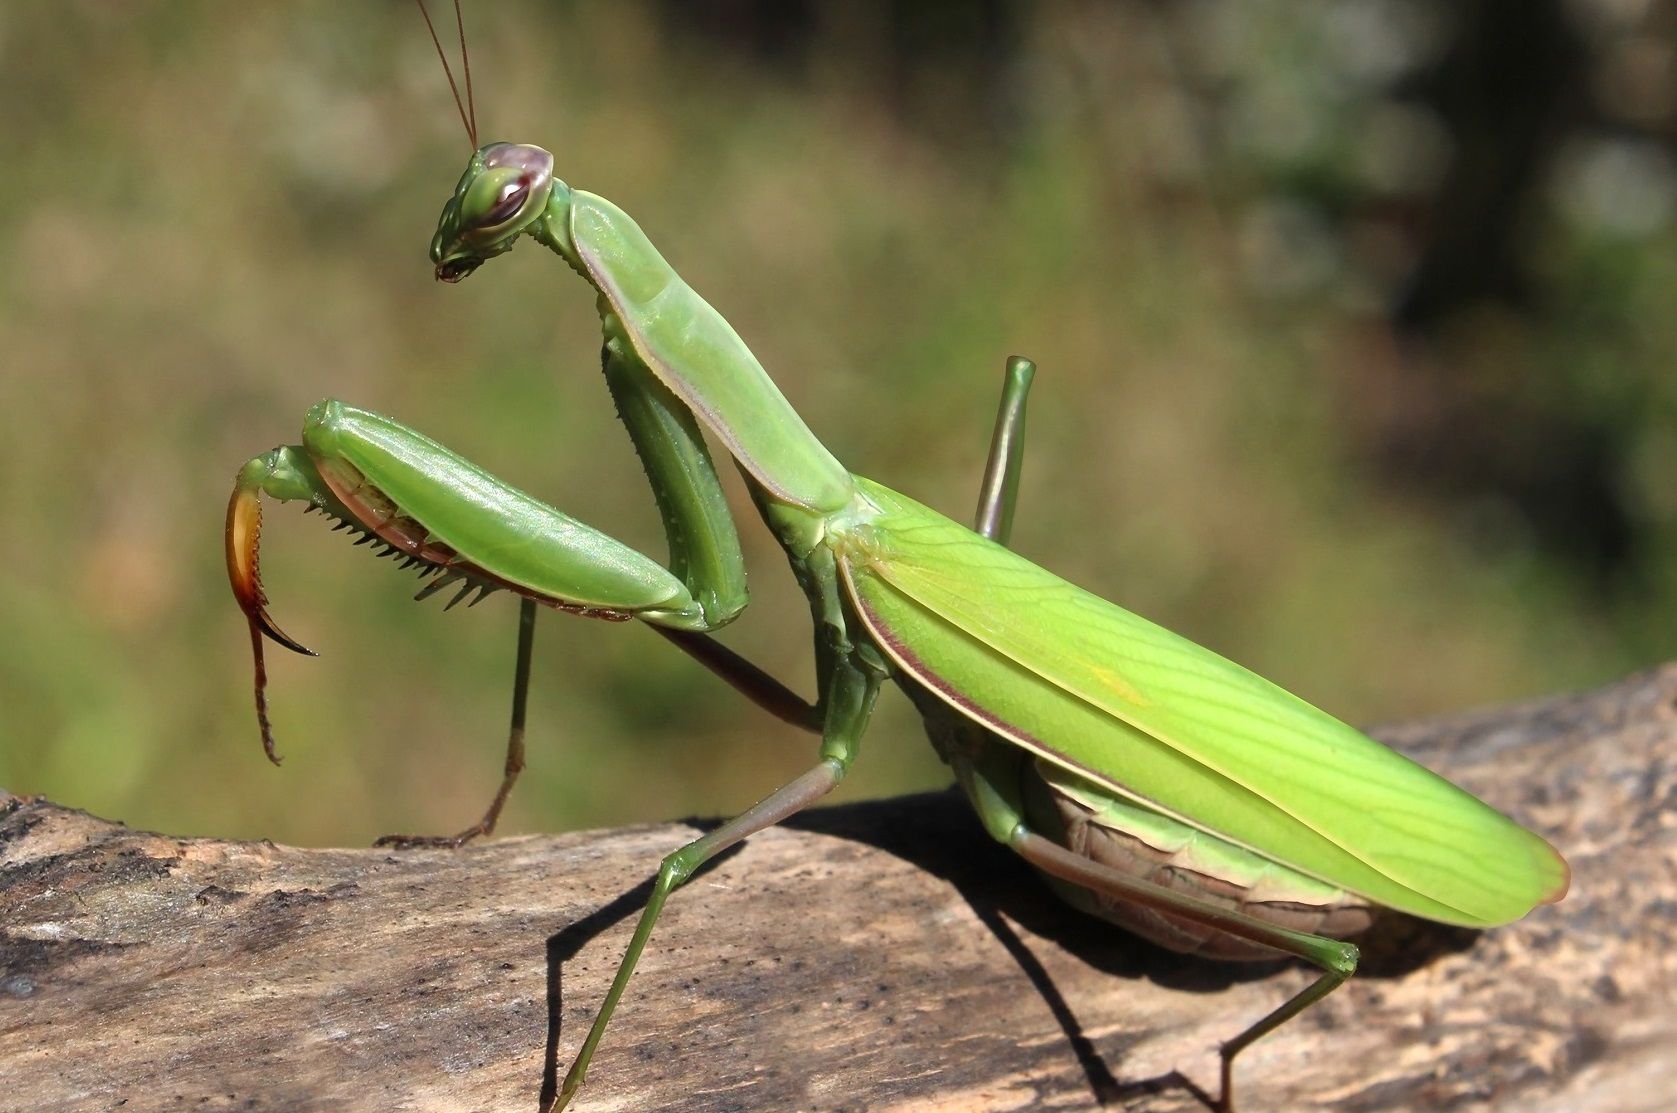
(704, 552)
(433, 509)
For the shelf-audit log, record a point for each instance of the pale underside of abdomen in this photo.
(1158, 849)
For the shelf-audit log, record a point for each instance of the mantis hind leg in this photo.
(989, 765)
(1336, 958)
(999, 491)
(990, 775)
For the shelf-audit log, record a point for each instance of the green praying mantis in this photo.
(1152, 782)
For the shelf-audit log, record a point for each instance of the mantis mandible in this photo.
(1154, 783)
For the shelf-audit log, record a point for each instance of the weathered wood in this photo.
(881, 956)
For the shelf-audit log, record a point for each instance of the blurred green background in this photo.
(1354, 324)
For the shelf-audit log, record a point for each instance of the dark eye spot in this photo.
(506, 206)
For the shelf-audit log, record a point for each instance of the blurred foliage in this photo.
(1202, 220)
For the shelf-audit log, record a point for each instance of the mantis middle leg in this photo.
(853, 686)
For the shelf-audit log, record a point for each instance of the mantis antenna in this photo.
(468, 108)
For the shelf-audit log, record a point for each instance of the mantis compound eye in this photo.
(502, 195)
(508, 203)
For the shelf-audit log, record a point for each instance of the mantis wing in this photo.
(1150, 715)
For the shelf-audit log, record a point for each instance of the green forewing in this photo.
(1094, 688)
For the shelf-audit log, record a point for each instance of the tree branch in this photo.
(876, 956)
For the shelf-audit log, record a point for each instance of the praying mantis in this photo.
(1152, 782)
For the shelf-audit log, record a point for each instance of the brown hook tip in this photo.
(244, 572)
(244, 536)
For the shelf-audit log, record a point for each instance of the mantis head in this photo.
(502, 195)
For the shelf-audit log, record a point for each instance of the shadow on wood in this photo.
(876, 956)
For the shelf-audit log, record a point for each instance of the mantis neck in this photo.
(676, 336)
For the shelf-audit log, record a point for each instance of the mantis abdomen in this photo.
(1151, 846)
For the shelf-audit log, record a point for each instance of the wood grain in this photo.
(881, 956)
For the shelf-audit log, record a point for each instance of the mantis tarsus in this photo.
(1154, 783)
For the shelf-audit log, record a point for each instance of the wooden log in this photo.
(881, 956)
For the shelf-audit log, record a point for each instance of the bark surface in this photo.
(881, 956)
